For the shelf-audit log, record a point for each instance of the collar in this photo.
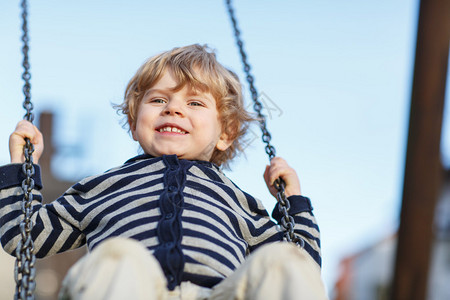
(173, 157)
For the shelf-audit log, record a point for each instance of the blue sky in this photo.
(336, 76)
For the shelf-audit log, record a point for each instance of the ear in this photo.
(224, 142)
(132, 129)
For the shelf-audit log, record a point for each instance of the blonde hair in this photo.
(196, 66)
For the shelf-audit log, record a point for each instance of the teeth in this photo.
(171, 129)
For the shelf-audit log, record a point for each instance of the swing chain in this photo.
(287, 221)
(24, 269)
(26, 75)
(257, 105)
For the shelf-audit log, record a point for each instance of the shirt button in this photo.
(170, 278)
(172, 188)
(169, 215)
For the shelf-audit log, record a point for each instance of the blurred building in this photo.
(366, 275)
(51, 271)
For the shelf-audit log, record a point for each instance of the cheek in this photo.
(215, 128)
(144, 117)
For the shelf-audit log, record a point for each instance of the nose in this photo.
(173, 107)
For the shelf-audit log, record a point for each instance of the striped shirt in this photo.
(197, 223)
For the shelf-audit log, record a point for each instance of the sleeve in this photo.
(54, 228)
(305, 224)
(264, 230)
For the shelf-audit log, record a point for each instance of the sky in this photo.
(334, 76)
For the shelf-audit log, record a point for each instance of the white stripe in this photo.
(11, 246)
(209, 261)
(87, 196)
(105, 204)
(150, 242)
(213, 234)
(258, 222)
(202, 270)
(42, 237)
(124, 222)
(207, 244)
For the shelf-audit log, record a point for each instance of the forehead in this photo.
(171, 81)
(197, 78)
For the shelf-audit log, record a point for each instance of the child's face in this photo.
(178, 122)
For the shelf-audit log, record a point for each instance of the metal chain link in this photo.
(287, 221)
(24, 270)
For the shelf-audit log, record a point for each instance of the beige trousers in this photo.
(122, 268)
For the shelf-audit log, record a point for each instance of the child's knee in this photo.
(119, 247)
(117, 266)
(133, 254)
(275, 271)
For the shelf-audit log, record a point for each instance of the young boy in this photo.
(169, 223)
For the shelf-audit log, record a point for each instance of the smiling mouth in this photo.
(171, 129)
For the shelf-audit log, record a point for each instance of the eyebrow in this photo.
(191, 93)
(155, 91)
(209, 99)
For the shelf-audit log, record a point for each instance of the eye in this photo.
(195, 103)
(158, 100)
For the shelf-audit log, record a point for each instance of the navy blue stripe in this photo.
(198, 234)
(298, 219)
(145, 235)
(230, 212)
(230, 229)
(203, 223)
(70, 242)
(116, 206)
(137, 223)
(201, 280)
(232, 218)
(49, 242)
(315, 255)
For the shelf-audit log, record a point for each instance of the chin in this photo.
(179, 155)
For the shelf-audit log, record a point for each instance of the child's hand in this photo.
(25, 129)
(279, 168)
